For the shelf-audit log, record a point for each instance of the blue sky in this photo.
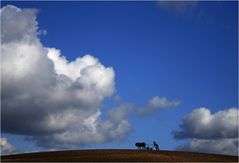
(189, 54)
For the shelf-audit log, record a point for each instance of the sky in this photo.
(89, 75)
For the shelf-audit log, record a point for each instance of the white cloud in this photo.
(151, 106)
(212, 133)
(120, 112)
(156, 103)
(92, 131)
(51, 100)
(202, 124)
(216, 146)
(6, 147)
(25, 29)
(162, 102)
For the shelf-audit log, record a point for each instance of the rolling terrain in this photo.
(117, 155)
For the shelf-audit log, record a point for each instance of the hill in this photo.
(117, 155)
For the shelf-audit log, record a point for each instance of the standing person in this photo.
(156, 146)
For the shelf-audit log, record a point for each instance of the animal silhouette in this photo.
(144, 146)
(141, 145)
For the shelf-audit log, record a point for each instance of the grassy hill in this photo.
(117, 155)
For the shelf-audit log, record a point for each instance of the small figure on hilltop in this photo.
(144, 146)
(156, 146)
(141, 145)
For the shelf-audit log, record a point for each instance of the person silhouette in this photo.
(156, 146)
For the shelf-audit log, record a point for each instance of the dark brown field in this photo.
(117, 156)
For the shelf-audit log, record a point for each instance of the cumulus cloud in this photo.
(156, 103)
(204, 125)
(212, 133)
(25, 29)
(91, 131)
(120, 112)
(51, 100)
(6, 147)
(217, 146)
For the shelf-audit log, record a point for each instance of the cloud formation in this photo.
(120, 112)
(153, 105)
(201, 124)
(47, 98)
(156, 103)
(53, 101)
(6, 147)
(218, 146)
(213, 133)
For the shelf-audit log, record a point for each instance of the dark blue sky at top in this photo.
(190, 55)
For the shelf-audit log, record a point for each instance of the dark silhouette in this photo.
(156, 146)
(149, 148)
(141, 145)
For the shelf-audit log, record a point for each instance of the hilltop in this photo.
(117, 155)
